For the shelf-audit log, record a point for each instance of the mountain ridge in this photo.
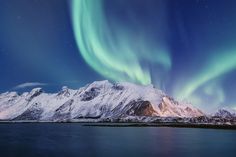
(100, 99)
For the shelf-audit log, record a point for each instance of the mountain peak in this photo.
(225, 113)
(36, 90)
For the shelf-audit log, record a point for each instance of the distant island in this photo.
(109, 104)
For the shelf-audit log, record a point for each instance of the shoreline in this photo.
(174, 125)
(131, 124)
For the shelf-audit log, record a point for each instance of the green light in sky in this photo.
(219, 64)
(113, 51)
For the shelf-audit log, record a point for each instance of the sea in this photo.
(77, 140)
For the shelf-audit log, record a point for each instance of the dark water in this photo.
(74, 140)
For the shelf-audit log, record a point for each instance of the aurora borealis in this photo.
(185, 48)
(110, 49)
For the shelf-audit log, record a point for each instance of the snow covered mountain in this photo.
(98, 100)
(225, 113)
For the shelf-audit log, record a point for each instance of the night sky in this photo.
(187, 48)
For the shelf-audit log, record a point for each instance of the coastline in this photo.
(129, 124)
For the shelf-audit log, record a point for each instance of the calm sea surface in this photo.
(75, 140)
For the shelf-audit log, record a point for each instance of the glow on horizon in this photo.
(218, 65)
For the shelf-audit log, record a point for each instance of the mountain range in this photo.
(103, 101)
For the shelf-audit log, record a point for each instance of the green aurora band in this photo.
(217, 66)
(113, 50)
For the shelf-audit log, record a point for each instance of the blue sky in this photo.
(186, 48)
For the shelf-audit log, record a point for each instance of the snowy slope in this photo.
(225, 113)
(101, 99)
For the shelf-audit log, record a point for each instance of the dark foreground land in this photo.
(136, 124)
(194, 122)
(178, 125)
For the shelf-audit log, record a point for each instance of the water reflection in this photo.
(71, 139)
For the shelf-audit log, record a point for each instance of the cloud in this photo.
(29, 84)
